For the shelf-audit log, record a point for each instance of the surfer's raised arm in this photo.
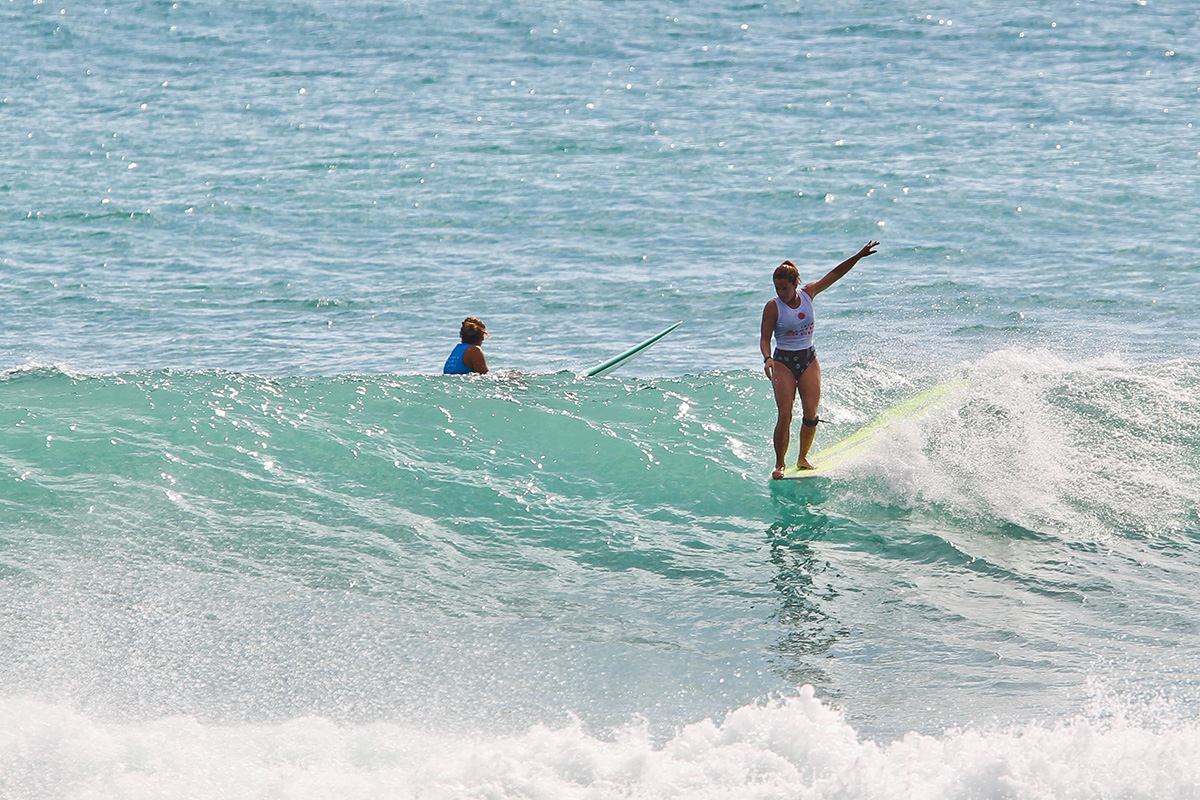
(834, 275)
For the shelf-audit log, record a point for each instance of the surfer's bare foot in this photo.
(777, 475)
(804, 464)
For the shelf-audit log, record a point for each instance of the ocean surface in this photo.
(253, 545)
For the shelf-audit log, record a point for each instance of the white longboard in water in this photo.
(605, 367)
(855, 445)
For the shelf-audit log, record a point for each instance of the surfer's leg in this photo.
(810, 396)
(785, 399)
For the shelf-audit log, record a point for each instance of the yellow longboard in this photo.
(845, 451)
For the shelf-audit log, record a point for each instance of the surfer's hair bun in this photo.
(473, 331)
(788, 271)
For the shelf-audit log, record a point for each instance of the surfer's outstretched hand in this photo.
(868, 250)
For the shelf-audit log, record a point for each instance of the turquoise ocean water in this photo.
(252, 545)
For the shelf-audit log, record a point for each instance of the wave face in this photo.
(381, 568)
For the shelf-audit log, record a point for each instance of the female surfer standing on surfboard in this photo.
(793, 366)
(468, 356)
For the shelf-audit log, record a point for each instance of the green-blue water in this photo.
(252, 545)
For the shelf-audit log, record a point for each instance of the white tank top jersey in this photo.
(794, 328)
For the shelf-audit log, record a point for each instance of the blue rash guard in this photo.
(454, 364)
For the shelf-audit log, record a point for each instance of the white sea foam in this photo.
(1076, 448)
(794, 747)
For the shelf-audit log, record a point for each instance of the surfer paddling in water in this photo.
(793, 366)
(468, 357)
